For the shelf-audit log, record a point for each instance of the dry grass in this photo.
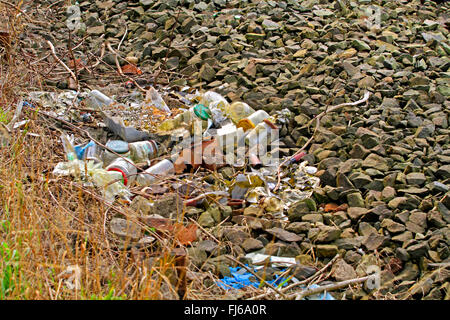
(54, 239)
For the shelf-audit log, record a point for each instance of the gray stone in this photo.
(236, 237)
(356, 212)
(355, 200)
(251, 244)
(360, 45)
(125, 228)
(284, 235)
(375, 161)
(327, 234)
(207, 73)
(326, 250)
(392, 226)
(418, 250)
(270, 25)
(342, 271)
(416, 178)
(373, 241)
(206, 220)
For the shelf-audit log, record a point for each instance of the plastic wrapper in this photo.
(241, 278)
(89, 151)
(68, 146)
(76, 168)
(283, 116)
(128, 134)
(97, 100)
(156, 100)
(274, 261)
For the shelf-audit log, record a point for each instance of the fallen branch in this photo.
(123, 38)
(52, 48)
(267, 61)
(15, 118)
(439, 265)
(329, 287)
(318, 118)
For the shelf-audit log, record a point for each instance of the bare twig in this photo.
(73, 59)
(123, 38)
(119, 69)
(52, 48)
(330, 287)
(439, 265)
(309, 279)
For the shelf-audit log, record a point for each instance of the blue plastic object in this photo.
(29, 105)
(319, 296)
(118, 146)
(240, 279)
(79, 150)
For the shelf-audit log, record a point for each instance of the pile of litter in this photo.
(209, 155)
(211, 134)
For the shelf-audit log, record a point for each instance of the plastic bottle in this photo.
(126, 168)
(238, 110)
(210, 97)
(217, 106)
(200, 111)
(253, 120)
(89, 151)
(264, 132)
(230, 134)
(162, 168)
(118, 146)
(111, 183)
(142, 151)
(97, 100)
(92, 152)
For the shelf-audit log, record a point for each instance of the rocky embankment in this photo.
(384, 166)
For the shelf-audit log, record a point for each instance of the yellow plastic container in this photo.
(253, 120)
